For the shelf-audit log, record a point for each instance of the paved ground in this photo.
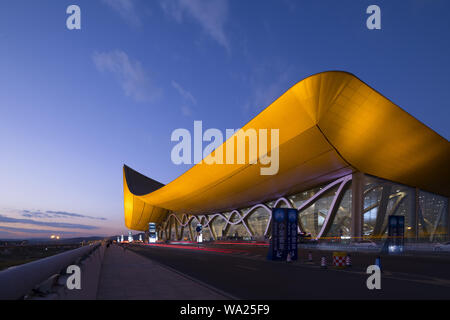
(435, 265)
(127, 275)
(246, 274)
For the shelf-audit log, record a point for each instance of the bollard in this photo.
(323, 262)
(310, 257)
(289, 259)
(378, 263)
(348, 261)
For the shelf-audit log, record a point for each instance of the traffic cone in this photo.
(348, 261)
(310, 256)
(289, 259)
(378, 263)
(323, 262)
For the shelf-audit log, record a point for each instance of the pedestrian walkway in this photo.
(126, 275)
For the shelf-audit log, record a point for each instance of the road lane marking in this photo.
(246, 267)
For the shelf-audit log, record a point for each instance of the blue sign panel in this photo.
(396, 233)
(152, 232)
(279, 224)
(292, 234)
(284, 233)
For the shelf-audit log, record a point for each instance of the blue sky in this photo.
(76, 105)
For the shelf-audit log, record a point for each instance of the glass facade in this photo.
(312, 217)
(432, 217)
(426, 214)
(326, 211)
(257, 222)
(218, 224)
(186, 234)
(235, 230)
(341, 225)
(384, 198)
(206, 230)
(173, 229)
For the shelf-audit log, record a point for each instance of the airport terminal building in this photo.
(348, 159)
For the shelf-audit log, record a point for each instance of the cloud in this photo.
(130, 74)
(266, 85)
(126, 9)
(77, 215)
(186, 110)
(184, 93)
(6, 219)
(56, 214)
(211, 15)
(188, 98)
(33, 214)
(13, 230)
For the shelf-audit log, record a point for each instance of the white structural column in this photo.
(448, 218)
(415, 207)
(357, 205)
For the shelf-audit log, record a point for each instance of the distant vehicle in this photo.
(365, 244)
(442, 246)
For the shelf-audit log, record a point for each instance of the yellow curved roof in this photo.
(330, 124)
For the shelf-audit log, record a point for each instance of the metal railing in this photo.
(18, 281)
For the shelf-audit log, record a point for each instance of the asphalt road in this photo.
(245, 274)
